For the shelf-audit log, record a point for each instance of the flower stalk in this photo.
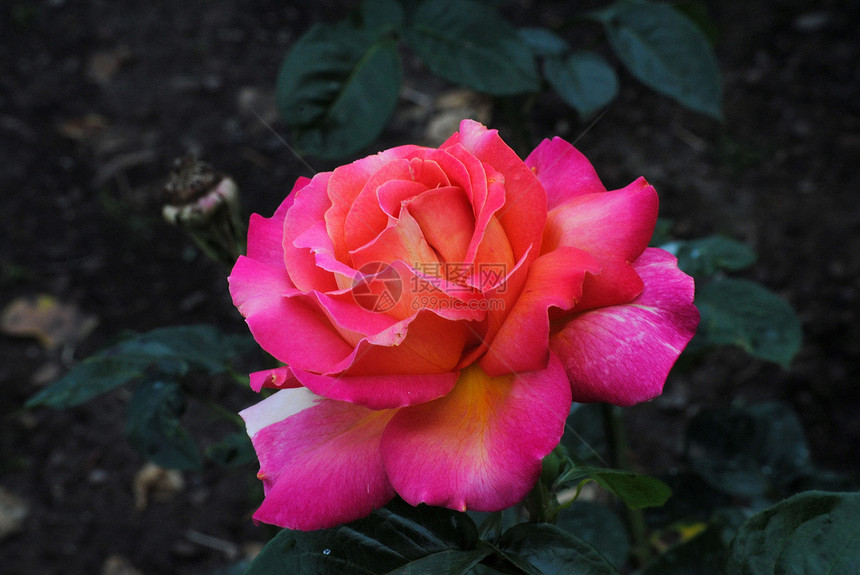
(616, 432)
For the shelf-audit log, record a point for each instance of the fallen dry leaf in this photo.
(156, 483)
(47, 319)
(13, 513)
(84, 129)
(103, 65)
(451, 108)
(119, 565)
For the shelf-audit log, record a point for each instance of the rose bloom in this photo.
(454, 403)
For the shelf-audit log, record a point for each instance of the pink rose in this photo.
(437, 311)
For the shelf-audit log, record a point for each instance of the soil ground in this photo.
(97, 97)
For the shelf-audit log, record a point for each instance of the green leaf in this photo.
(598, 526)
(88, 379)
(450, 562)
(810, 534)
(153, 425)
(492, 524)
(337, 88)
(553, 551)
(543, 42)
(697, 12)
(584, 433)
(468, 43)
(384, 541)
(743, 313)
(748, 451)
(382, 16)
(635, 490)
(666, 52)
(704, 257)
(584, 80)
(234, 450)
(201, 347)
(174, 350)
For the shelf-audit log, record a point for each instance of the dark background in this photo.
(98, 97)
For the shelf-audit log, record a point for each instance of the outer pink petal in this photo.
(379, 391)
(265, 234)
(479, 447)
(554, 280)
(564, 172)
(622, 354)
(319, 459)
(278, 378)
(617, 224)
(616, 283)
(283, 321)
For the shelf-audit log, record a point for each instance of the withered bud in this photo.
(205, 203)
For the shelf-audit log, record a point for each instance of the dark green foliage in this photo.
(338, 85)
(666, 52)
(809, 534)
(337, 88)
(153, 425)
(743, 313)
(553, 551)
(599, 526)
(171, 351)
(158, 361)
(389, 540)
(468, 43)
(584, 80)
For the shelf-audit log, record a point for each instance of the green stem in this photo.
(535, 503)
(616, 433)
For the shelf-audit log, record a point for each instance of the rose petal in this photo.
(319, 459)
(425, 343)
(382, 194)
(493, 251)
(265, 234)
(346, 183)
(283, 321)
(379, 391)
(446, 221)
(563, 171)
(617, 283)
(304, 236)
(317, 269)
(554, 280)
(500, 299)
(524, 212)
(403, 241)
(616, 224)
(622, 354)
(278, 378)
(479, 447)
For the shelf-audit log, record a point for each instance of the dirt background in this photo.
(98, 97)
